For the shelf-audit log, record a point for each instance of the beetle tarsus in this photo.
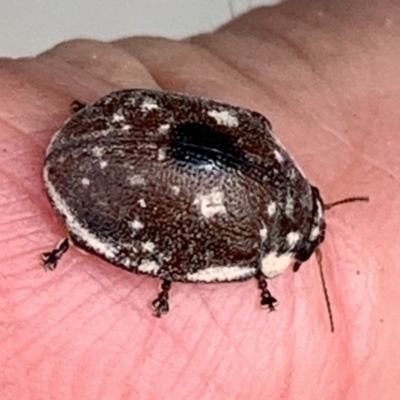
(160, 304)
(267, 300)
(51, 258)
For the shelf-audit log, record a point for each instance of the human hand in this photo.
(326, 75)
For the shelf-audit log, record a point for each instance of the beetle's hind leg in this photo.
(161, 304)
(51, 258)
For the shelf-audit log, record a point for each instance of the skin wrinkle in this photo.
(111, 365)
(214, 319)
(43, 286)
(180, 378)
(381, 168)
(342, 298)
(11, 254)
(142, 354)
(35, 74)
(6, 203)
(99, 336)
(164, 366)
(76, 59)
(20, 351)
(189, 47)
(267, 89)
(83, 84)
(74, 71)
(198, 342)
(289, 43)
(109, 282)
(157, 80)
(143, 56)
(266, 31)
(338, 136)
(19, 255)
(291, 370)
(38, 201)
(14, 220)
(24, 153)
(27, 95)
(135, 307)
(144, 351)
(18, 219)
(92, 298)
(78, 307)
(215, 362)
(325, 37)
(58, 67)
(11, 238)
(18, 131)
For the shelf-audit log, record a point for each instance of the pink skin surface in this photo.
(328, 78)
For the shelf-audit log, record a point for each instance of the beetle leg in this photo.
(267, 300)
(160, 304)
(51, 258)
(77, 105)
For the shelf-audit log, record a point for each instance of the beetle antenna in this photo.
(344, 201)
(318, 255)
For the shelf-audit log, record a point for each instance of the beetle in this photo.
(181, 188)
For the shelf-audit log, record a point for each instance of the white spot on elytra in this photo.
(118, 117)
(292, 174)
(100, 246)
(314, 232)
(211, 203)
(175, 189)
(273, 265)
(224, 118)
(207, 167)
(107, 99)
(289, 206)
(164, 128)
(278, 156)
(292, 238)
(271, 210)
(320, 210)
(263, 232)
(161, 155)
(142, 203)
(149, 105)
(221, 274)
(136, 180)
(97, 151)
(136, 225)
(148, 267)
(127, 262)
(126, 127)
(148, 246)
(85, 182)
(103, 164)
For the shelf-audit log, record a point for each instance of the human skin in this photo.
(327, 76)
